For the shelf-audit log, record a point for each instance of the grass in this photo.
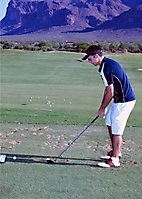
(33, 128)
(30, 177)
(72, 87)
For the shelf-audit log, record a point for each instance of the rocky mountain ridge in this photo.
(26, 16)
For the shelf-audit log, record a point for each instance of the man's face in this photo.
(94, 59)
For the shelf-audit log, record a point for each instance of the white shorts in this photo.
(118, 115)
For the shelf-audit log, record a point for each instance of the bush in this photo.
(81, 47)
(133, 47)
(8, 45)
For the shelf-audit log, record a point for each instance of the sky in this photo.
(3, 6)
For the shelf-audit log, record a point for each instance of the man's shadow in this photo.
(37, 159)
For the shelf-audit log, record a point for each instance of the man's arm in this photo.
(108, 95)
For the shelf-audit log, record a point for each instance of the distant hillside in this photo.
(66, 16)
(127, 20)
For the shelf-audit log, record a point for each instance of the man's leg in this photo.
(116, 126)
(112, 159)
(116, 122)
(110, 135)
(117, 142)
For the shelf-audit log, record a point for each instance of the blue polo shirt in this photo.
(112, 73)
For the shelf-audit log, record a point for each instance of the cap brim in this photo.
(85, 57)
(94, 52)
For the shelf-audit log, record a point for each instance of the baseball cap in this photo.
(93, 50)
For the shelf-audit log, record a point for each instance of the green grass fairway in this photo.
(46, 100)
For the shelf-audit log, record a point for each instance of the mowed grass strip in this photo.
(33, 83)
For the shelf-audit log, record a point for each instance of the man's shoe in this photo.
(2, 158)
(110, 163)
(109, 155)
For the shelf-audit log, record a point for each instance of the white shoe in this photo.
(2, 158)
(109, 155)
(109, 163)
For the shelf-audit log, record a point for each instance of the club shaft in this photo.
(76, 137)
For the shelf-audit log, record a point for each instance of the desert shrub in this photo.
(104, 45)
(18, 46)
(8, 45)
(81, 47)
(133, 47)
(114, 46)
(56, 45)
(35, 48)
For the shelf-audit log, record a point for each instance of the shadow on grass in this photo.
(36, 159)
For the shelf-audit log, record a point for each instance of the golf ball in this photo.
(14, 157)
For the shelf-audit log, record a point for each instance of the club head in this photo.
(50, 160)
(79, 60)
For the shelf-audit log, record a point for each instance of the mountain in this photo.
(132, 3)
(29, 16)
(127, 20)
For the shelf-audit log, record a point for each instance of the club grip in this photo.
(95, 119)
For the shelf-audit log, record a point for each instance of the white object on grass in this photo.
(2, 158)
(14, 158)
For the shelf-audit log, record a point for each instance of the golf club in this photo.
(77, 60)
(52, 160)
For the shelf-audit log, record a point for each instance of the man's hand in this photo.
(101, 112)
(108, 95)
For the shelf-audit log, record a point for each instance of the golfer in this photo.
(118, 88)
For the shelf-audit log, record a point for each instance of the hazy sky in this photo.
(3, 6)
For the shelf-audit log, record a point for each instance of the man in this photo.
(118, 88)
